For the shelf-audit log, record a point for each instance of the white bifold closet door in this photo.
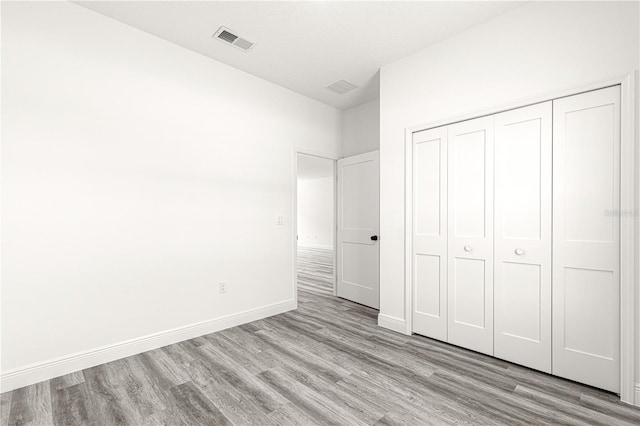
(586, 238)
(470, 234)
(522, 238)
(430, 233)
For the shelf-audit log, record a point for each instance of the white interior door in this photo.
(522, 237)
(430, 233)
(470, 239)
(358, 251)
(586, 238)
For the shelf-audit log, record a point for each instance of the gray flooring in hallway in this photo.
(315, 270)
(325, 363)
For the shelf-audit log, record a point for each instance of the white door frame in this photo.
(294, 215)
(629, 295)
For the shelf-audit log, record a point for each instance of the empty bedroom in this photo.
(319, 212)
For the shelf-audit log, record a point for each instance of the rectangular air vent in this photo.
(341, 87)
(227, 36)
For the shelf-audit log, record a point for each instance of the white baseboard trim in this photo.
(39, 372)
(636, 397)
(392, 323)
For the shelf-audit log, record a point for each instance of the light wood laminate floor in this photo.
(326, 363)
(315, 270)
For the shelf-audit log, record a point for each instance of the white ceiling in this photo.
(310, 167)
(305, 46)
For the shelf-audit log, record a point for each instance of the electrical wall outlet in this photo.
(223, 286)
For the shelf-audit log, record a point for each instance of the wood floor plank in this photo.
(235, 406)
(105, 396)
(402, 418)
(488, 374)
(70, 404)
(5, 408)
(352, 322)
(245, 338)
(160, 365)
(147, 394)
(242, 380)
(373, 360)
(616, 410)
(579, 414)
(254, 363)
(366, 410)
(494, 402)
(425, 344)
(556, 387)
(315, 405)
(420, 400)
(67, 380)
(289, 352)
(195, 408)
(31, 405)
(385, 352)
(290, 415)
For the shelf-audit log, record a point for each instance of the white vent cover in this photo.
(341, 87)
(227, 36)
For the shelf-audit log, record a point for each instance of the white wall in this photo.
(361, 129)
(315, 212)
(137, 175)
(532, 50)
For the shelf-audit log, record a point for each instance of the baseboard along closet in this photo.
(516, 240)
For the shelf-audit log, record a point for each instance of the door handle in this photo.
(374, 238)
(519, 251)
(468, 248)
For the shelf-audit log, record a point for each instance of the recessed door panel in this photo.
(519, 301)
(468, 179)
(427, 279)
(519, 175)
(359, 194)
(469, 288)
(427, 185)
(354, 255)
(588, 173)
(470, 239)
(586, 238)
(522, 281)
(584, 289)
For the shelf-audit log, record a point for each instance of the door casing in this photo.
(294, 215)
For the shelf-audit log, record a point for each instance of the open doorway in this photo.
(316, 239)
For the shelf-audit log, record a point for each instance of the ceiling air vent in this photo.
(227, 36)
(341, 87)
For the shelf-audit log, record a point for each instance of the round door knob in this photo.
(519, 251)
(468, 248)
(374, 238)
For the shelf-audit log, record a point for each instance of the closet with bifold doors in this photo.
(515, 244)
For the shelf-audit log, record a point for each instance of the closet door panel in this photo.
(430, 233)
(586, 238)
(522, 281)
(469, 287)
(468, 179)
(470, 239)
